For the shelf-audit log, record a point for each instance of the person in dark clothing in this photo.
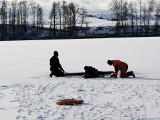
(55, 66)
(90, 72)
(122, 67)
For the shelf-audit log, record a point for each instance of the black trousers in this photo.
(57, 72)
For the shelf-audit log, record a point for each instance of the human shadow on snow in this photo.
(138, 77)
(146, 78)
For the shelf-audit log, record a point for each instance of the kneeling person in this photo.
(122, 67)
(55, 66)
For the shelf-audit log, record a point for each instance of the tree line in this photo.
(23, 20)
(135, 17)
(17, 17)
(67, 18)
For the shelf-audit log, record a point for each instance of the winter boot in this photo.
(50, 75)
(131, 73)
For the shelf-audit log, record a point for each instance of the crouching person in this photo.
(90, 72)
(55, 66)
(122, 67)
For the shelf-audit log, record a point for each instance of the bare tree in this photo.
(64, 16)
(33, 13)
(115, 7)
(23, 17)
(125, 12)
(39, 13)
(3, 17)
(10, 23)
(83, 13)
(132, 14)
(150, 10)
(53, 17)
(157, 14)
(13, 18)
(144, 17)
(140, 11)
(60, 17)
(73, 11)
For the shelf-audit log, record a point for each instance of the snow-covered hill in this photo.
(102, 15)
(28, 93)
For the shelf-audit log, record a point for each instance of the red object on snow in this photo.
(69, 102)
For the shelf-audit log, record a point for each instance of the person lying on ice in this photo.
(55, 66)
(122, 67)
(90, 72)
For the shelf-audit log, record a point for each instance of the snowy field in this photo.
(28, 93)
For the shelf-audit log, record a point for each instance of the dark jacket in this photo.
(54, 64)
(90, 72)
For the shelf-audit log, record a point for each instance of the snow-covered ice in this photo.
(28, 93)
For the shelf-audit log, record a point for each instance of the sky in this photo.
(90, 5)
